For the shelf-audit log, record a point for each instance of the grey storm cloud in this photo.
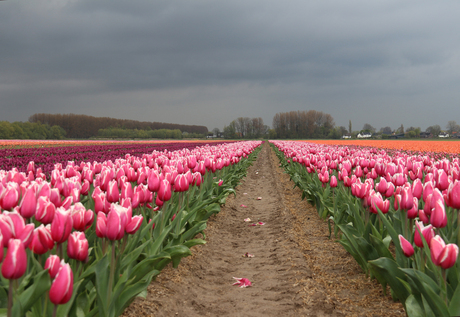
(208, 62)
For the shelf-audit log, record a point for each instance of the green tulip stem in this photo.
(55, 310)
(458, 226)
(112, 272)
(10, 297)
(444, 285)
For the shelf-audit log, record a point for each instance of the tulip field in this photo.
(394, 207)
(86, 228)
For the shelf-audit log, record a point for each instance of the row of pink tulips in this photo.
(49, 217)
(397, 189)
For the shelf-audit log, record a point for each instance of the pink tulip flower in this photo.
(61, 226)
(406, 246)
(62, 287)
(242, 282)
(53, 264)
(427, 232)
(448, 256)
(15, 263)
(77, 246)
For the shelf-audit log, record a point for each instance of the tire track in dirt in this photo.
(296, 271)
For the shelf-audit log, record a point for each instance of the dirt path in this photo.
(296, 269)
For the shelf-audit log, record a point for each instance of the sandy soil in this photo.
(296, 270)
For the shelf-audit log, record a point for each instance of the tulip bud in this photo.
(62, 286)
(61, 226)
(53, 265)
(28, 202)
(164, 192)
(15, 263)
(333, 182)
(406, 246)
(427, 232)
(45, 210)
(77, 246)
(101, 225)
(438, 215)
(437, 245)
(134, 225)
(449, 255)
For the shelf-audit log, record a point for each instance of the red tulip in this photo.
(53, 265)
(62, 286)
(82, 219)
(15, 263)
(406, 246)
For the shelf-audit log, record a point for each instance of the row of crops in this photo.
(396, 213)
(87, 238)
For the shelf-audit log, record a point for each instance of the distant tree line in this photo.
(304, 125)
(29, 130)
(140, 134)
(245, 128)
(79, 126)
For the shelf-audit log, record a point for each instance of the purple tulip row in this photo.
(46, 157)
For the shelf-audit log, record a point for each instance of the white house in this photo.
(443, 135)
(363, 136)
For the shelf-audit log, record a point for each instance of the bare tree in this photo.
(368, 127)
(452, 126)
(386, 130)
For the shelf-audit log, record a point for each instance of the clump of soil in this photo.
(296, 269)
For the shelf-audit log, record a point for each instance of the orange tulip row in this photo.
(447, 147)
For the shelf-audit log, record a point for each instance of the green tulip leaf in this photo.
(23, 303)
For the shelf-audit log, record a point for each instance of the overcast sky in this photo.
(202, 62)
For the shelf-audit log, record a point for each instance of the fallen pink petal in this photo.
(259, 198)
(242, 282)
(245, 193)
(244, 206)
(253, 225)
(261, 223)
(247, 219)
(248, 255)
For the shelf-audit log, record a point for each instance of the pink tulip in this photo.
(101, 225)
(134, 224)
(242, 282)
(45, 210)
(427, 232)
(10, 197)
(449, 255)
(53, 265)
(62, 286)
(438, 215)
(406, 246)
(417, 188)
(407, 201)
(77, 246)
(423, 217)
(382, 186)
(15, 263)
(41, 240)
(437, 245)
(82, 219)
(117, 219)
(28, 202)
(453, 194)
(113, 194)
(164, 192)
(413, 212)
(220, 182)
(61, 226)
(153, 181)
(85, 187)
(333, 182)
